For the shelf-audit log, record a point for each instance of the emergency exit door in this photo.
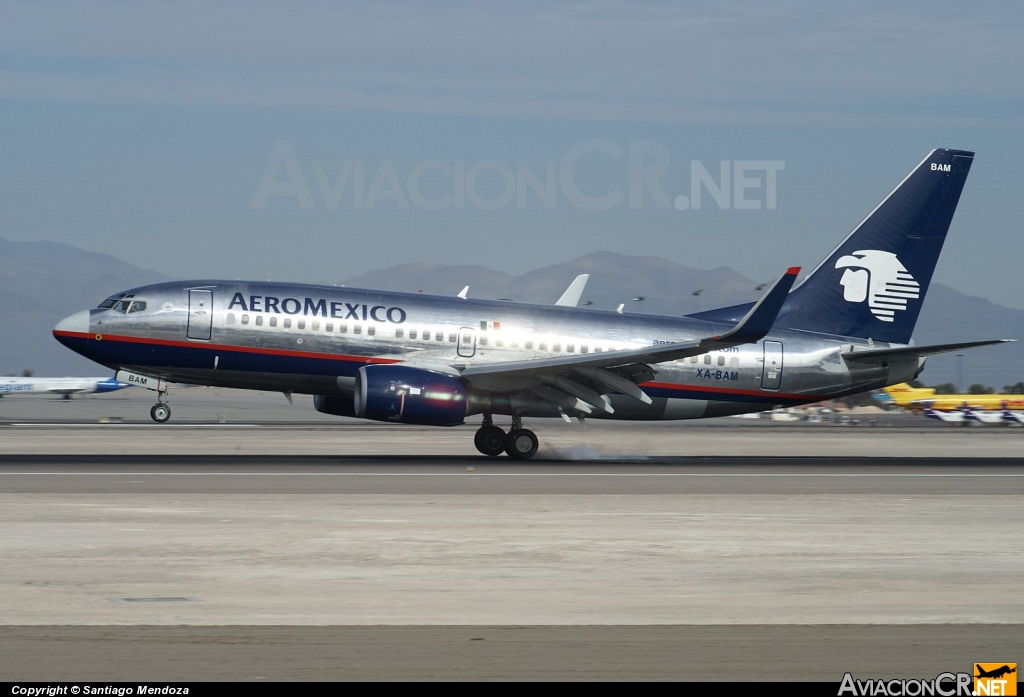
(467, 342)
(771, 378)
(200, 314)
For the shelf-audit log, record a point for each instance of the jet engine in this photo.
(409, 395)
(337, 406)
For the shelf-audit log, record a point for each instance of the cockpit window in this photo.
(122, 303)
(112, 300)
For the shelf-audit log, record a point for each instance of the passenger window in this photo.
(273, 321)
(529, 344)
(693, 359)
(315, 326)
(467, 338)
(245, 319)
(301, 324)
(329, 327)
(412, 333)
(259, 320)
(357, 329)
(231, 318)
(514, 344)
(452, 337)
(570, 348)
(426, 335)
(499, 342)
(343, 328)
(439, 336)
(707, 359)
(557, 348)
(543, 346)
(734, 362)
(483, 341)
(287, 323)
(371, 330)
(597, 349)
(721, 360)
(399, 333)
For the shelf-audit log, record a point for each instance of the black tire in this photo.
(490, 440)
(160, 413)
(521, 444)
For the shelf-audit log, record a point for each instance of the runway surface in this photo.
(318, 475)
(716, 654)
(300, 549)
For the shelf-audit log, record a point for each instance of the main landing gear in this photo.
(161, 413)
(520, 443)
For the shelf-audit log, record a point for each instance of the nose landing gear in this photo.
(519, 444)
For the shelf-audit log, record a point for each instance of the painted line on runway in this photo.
(471, 475)
(121, 425)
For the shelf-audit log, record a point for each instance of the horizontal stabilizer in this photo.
(918, 351)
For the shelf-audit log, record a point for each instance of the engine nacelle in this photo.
(331, 404)
(409, 395)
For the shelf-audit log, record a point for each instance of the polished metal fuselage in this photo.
(313, 339)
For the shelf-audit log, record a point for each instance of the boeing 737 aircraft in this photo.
(58, 386)
(421, 359)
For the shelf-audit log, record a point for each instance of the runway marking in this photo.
(477, 475)
(122, 425)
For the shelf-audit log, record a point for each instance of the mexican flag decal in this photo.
(484, 326)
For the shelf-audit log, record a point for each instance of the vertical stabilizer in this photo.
(872, 285)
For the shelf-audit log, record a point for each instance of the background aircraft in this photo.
(58, 386)
(908, 397)
(433, 360)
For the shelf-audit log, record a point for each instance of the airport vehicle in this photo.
(58, 386)
(421, 359)
(908, 397)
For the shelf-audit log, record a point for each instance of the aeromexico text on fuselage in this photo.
(317, 307)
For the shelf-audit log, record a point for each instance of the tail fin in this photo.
(872, 285)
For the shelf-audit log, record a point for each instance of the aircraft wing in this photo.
(597, 366)
(916, 351)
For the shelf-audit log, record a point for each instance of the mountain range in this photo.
(41, 282)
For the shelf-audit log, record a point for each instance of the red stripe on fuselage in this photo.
(226, 347)
(729, 390)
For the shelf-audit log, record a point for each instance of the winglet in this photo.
(571, 296)
(463, 293)
(759, 320)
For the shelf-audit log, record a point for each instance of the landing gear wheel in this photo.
(490, 440)
(521, 444)
(160, 413)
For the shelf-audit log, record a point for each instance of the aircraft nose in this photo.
(77, 323)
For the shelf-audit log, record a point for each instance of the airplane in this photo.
(949, 417)
(436, 360)
(908, 397)
(1013, 417)
(996, 672)
(58, 386)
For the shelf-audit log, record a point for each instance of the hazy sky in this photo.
(228, 140)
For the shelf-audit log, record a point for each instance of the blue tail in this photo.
(873, 284)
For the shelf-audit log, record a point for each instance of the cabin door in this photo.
(200, 314)
(771, 377)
